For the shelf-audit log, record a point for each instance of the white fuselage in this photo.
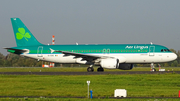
(126, 58)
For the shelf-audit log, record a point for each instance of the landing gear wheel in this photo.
(100, 69)
(90, 69)
(154, 69)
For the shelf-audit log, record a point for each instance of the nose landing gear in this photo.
(152, 67)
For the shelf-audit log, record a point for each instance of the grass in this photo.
(137, 85)
(157, 85)
(76, 99)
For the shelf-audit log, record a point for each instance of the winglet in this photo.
(52, 50)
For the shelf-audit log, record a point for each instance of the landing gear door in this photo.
(151, 50)
(39, 51)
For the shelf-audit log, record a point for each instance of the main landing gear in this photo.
(91, 69)
(152, 67)
(100, 69)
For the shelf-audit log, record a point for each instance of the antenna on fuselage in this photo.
(151, 43)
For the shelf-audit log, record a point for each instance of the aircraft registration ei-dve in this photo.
(109, 56)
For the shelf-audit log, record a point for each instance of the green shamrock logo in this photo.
(22, 34)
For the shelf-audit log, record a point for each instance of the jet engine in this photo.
(124, 66)
(114, 64)
(109, 63)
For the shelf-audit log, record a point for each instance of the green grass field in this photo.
(137, 85)
(76, 99)
(157, 85)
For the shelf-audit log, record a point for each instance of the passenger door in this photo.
(39, 51)
(151, 50)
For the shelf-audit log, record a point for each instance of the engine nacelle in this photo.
(124, 66)
(109, 63)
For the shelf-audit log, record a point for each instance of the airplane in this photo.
(109, 56)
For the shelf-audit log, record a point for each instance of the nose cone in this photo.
(173, 56)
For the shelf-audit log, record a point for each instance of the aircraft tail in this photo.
(22, 35)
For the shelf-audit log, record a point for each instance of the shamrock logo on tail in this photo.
(22, 34)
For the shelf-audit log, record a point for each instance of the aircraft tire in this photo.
(90, 69)
(100, 69)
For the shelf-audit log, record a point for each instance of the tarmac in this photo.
(89, 73)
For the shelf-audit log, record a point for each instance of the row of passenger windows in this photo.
(107, 51)
(165, 50)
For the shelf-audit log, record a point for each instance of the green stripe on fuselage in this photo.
(97, 49)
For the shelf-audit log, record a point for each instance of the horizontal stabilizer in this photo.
(17, 51)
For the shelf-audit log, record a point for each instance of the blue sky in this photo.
(94, 21)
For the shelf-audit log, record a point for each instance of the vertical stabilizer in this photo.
(22, 35)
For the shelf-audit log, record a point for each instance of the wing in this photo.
(86, 57)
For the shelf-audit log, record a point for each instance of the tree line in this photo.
(13, 60)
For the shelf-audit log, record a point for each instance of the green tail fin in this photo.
(22, 35)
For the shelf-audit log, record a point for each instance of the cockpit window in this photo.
(165, 50)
